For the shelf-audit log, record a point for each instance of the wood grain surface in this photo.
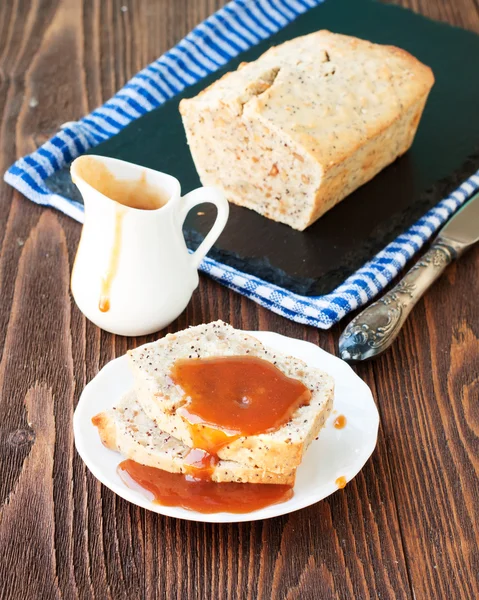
(406, 527)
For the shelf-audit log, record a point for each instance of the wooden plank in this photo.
(429, 387)
(432, 416)
(62, 534)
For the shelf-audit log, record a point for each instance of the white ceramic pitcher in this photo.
(133, 274)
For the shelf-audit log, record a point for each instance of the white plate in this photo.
(337, 452)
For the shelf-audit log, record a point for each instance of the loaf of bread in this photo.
(279, 451)
(127, 429)
(294, 132)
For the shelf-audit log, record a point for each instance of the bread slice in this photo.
(128, 430)
(279, 451)
(300, 128)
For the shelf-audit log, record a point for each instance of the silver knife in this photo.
(377, 326)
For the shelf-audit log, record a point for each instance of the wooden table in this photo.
(406, 527)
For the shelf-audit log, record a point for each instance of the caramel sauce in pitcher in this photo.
(135, 193)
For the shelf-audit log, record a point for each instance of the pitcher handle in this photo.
(213, 196)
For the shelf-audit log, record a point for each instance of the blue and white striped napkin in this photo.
(233, 29)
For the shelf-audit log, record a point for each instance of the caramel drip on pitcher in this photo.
(109, 276)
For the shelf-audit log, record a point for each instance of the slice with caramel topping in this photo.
(128, 430)
(231, 396)
(222, 390)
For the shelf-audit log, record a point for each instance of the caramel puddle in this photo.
(176, 489)
(340, 422)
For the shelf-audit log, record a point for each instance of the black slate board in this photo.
(314, 262)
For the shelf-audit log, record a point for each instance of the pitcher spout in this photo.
(125, 183)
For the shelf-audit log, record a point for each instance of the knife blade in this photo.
(377, 326)
(463, 227)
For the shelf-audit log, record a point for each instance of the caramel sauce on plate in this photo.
(233, 396)
(199, 464)
(225, 398)
(341, 482)
(340, 422)
(175, 489)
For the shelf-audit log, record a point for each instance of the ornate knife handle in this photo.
(377, 326)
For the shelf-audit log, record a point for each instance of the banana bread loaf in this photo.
(294, 132)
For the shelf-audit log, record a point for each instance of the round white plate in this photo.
(336, 453)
